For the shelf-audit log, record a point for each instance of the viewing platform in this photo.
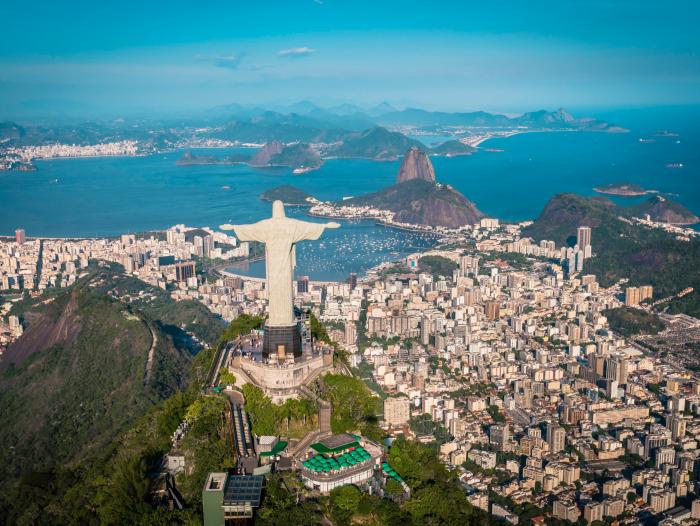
(281, 378)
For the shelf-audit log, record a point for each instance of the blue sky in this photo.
(109, 58)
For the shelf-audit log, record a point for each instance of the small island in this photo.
(289, 195)
(623, 189)
(452, 148)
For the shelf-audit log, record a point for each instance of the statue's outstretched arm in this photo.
(305, 230)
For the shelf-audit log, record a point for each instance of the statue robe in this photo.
(279, 235)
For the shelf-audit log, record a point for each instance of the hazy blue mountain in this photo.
(374, 143)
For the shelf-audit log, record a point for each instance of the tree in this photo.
(440, 503)
(241, 325)
(226, 377)
(394, 488)
(415, 463)
(279, 507)
(123, 501)
(353, 403)
(346, 498)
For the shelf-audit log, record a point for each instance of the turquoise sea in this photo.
(109, 196)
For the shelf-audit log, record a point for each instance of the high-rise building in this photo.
(350, 333)
(615, 368)
(207, 246)
(468, 264)
(302, 284)
(184, 270)
(397, 410)
(593, 511)
(493, 310)
(20, 236)
(499, 436)
(653, 441)
(198, 242)
(695, 509)
(677, 425)
(645, 292)
(352, 280)
(664, 455)
(631, 296)
(583, 237)
(556, 437)
(425, 330)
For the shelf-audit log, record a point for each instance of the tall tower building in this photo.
(583, 237)
(493, 310)
(184, 270)
(425, 330)
(556, 437)
(302, 284)
(631, 296)
(499, 436)
(20, 236)
(645, 292)
(207, 246)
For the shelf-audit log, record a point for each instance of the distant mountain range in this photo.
(301, 122)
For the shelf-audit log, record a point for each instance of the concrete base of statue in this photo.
(279, 379)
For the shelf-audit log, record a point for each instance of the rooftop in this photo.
(242, 489)
(276, 449)
(336, 443)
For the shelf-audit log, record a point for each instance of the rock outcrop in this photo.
(423, 202)
(663, 210)
(266, 153)
(416, 165)
(298, 155)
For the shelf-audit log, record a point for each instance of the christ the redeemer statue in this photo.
(279, 233)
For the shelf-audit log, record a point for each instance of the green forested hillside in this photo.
(624, 250)
(89, 366)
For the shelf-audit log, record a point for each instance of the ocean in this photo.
(114, 195)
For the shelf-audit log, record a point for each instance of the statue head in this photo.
(278, 209)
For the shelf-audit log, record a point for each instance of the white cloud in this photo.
(296, 52)
(228, 61)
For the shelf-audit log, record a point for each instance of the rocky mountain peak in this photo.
(416, 165)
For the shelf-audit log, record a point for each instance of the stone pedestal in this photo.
(282, 341)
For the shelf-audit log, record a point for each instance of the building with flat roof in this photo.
(397, 410)
(230, 499)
